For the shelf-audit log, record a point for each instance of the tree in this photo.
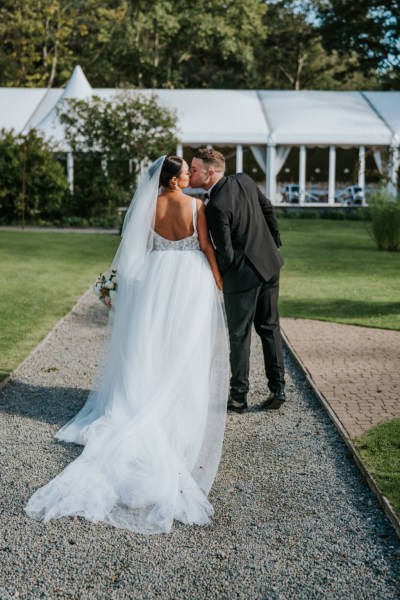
(370, 30)
(42, 40)
(165, 43)
(159, 43)
(110, 139)
(46, 184)
(296, 44)
(294, 57)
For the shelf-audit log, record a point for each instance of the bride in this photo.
(153, 429)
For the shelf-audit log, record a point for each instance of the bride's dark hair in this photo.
(171, 168)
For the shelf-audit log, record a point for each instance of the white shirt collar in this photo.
(209, 193)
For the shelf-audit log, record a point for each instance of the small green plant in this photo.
(380, 449)
(385, 216)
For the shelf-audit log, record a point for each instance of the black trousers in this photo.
(258, 305)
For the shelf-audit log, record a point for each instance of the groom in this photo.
(245, 234)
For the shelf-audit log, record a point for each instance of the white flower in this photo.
(97, 289)
(112, 295)
(109, 285)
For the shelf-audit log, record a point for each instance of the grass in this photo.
(380, 450)
(43, 275)
(334, 272)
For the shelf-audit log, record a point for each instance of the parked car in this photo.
(291, 193)
(354, 194)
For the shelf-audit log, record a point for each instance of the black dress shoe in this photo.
(275, 400)
(235, 406)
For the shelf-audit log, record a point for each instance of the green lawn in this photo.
(43, 275)
(333, 272)
(380, 450)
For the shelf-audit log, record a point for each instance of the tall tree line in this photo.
(286, 44)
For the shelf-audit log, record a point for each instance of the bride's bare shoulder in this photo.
(187, 197)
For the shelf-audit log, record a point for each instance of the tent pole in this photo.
(239, 158)
(332, 172)
(361, 168)
(271, 179)
(394, 167)
(179, 150)
(302, 174)
(70, 171)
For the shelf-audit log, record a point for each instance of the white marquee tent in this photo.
(270, 122)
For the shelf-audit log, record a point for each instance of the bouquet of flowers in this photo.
(106, 287)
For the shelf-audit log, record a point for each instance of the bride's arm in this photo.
(205, 243)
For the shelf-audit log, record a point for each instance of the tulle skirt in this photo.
(153, 430)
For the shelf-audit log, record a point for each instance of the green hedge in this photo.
(332, 213)
(385, 215)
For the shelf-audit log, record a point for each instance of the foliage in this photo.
(371, 30)
(333, 272)
(380, 449)
(331, 213)
(293, 55)
(46, 273)
(43, 40)
(179, 44)
(385, 215)
(293, 44)
(46, 186)
(109, 139)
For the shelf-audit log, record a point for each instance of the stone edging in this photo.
(44, 340)
(383, 501)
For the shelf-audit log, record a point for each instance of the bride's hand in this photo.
(219, 283)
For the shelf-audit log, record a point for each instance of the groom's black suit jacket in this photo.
(244, 231)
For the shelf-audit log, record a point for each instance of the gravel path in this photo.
(293, 516)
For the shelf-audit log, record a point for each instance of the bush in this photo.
(309, 213)
(98, 222)
(331, 213)
(46, 184)
(385, 215)
(110, 139)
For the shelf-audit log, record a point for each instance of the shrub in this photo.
(46, 184)
(385, 215)
(110, 139)
(356, 213)
(309, 213)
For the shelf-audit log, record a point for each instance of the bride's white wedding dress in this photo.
(153, 431)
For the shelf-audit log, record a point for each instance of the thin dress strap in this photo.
(194, 212)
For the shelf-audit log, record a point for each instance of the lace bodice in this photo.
(188, 243)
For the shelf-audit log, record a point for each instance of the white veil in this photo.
(136, 244)
(137, 230)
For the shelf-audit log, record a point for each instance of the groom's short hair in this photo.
(211, 157)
